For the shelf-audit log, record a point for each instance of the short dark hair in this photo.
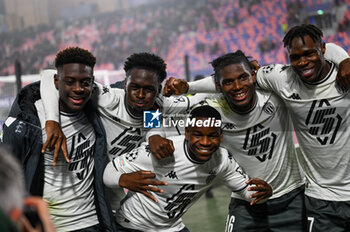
(146, 61)
(301, 31)
(228, 59)
(205, 112)
(75, 55)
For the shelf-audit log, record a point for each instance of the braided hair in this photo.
(301, 31)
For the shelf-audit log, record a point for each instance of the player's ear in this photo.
(323, 47)
(56, 79)
(217, 85)
(221, 135)
(125, 83)
(159, 88)
(253, 73)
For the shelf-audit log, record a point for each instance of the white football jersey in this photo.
(125, 132)
(68, 188)
(320, 116)
(188, 180)
(261, 141)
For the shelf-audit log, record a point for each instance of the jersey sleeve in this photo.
(156, 131)
(271, 77)
(335, 53)
(233, 176)
(138, 159)
(49, 95)
(181, 104)
(105, 96)
(205, 85)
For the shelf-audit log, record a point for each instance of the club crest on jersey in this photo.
(151, 119)
(269, 108)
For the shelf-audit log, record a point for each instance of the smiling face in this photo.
(307, 59)
(141, 87)
(236, 83)
(74, 83)
(202, 141)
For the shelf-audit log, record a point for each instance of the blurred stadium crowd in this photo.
(201, 29)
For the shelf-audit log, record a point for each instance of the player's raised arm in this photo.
(55, 138)
(341, 58)
(175, 86)
(121, 172)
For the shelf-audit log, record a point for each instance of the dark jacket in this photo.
(24, 135)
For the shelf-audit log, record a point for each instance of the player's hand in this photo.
(160, 147)
(264, 190)
(55, 140)
(255, 65)
(174, 86)
(343, 76)
(140, 182)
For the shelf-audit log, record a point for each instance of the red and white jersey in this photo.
(187, 181)
(320, 115)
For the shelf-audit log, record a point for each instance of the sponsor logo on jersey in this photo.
(172, 175)
(323, 121)
(105, 89)
(228, 126)
(260, 142)
(295, 96)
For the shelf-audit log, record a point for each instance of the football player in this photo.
(196, 164)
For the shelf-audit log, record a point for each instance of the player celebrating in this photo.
(318, 109)
(320, 116)
(197, 163)
(121, 110)
(258, 131)
(75, 191)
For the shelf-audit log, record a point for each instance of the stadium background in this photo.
(186, 33)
